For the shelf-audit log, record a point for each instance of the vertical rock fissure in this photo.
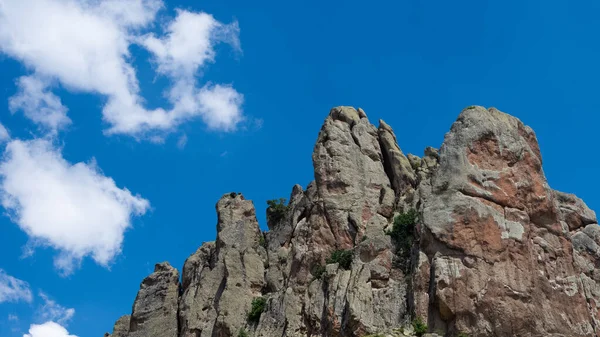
(496, 252)
(325, 325)
(220, 290)
(178, 309)
(387, 168)
(353, 228)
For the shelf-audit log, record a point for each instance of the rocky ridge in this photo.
(494, 251)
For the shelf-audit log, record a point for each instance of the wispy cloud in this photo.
(182, 141)
(4, 134)
(52, 311)
(13, 289)
(39, 104)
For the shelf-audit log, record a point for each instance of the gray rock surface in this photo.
(121, 328)
(502, 262)
(155, 308)
(221, 278)
(495, 251)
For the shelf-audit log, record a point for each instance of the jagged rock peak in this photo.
(121, 328)
(397, 165)
(492, 250)
(154, 311)
(237, 225)
(347, 114)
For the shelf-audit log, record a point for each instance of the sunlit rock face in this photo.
(494, 250)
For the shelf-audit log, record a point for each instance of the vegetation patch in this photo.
(318, 271)
(258, 307)
(262, 241)
(343, 257)
(276, 210)
(243, 333)
(419, 327)
(403, 235)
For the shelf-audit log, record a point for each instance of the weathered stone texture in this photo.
(497, 251)
(155, 307)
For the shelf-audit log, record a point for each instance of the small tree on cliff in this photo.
(276, 210)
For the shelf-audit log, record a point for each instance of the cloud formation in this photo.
(48, 329)
(84, 46)
(39, 104)
(13, 289)
(4, 134)
(73, 208)
(52, 311)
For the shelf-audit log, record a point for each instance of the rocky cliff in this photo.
(466, 241)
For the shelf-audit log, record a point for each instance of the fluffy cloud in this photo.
(13, 289)
(73, 208)
(220, 107)
(84, 45)
(188, 43)
(48, 329)
(52, 311)
(39, 104)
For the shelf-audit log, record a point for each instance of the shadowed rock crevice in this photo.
(496, 251)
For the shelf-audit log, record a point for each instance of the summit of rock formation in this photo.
(492, 249)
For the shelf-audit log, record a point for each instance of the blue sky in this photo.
(126, 121)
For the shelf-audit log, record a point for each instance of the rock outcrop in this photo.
(492, 249)
(155, 308)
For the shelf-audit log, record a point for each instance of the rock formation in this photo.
(493, 250)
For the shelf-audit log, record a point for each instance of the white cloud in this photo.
(220, 107)
(73, 208)
(130, 13)
(189, 43)
(4, 135)
(39, 104)
(182, 141)
(48, 329)
(52, 311)
(13, 289)
(84, 44)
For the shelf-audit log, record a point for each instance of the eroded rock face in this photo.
(507, 264)
(155, 308)
(221, 278)
(497, 251)
(347, 207)
(121, 328)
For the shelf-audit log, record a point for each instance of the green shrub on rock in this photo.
(419, 326)
(343, 257)
(318, 271)
(403, 234)
(276, 210)
(258, 306)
